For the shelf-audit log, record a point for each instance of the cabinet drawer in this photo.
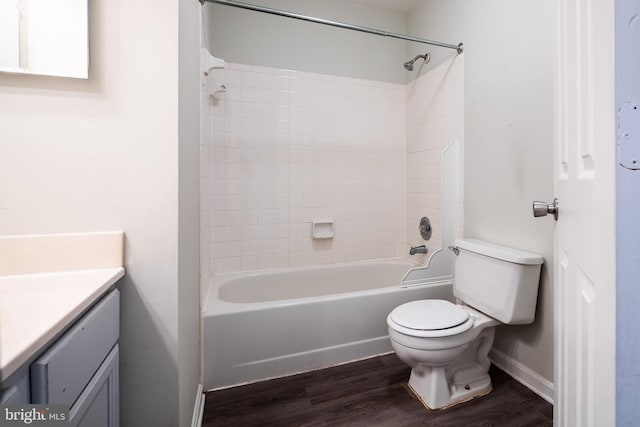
(63, 371)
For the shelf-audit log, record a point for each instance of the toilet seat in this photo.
(430, 318)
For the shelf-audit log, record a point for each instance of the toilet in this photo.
(447, 345)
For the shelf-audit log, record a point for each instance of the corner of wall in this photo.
(527, 377)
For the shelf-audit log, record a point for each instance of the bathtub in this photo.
(275, 323)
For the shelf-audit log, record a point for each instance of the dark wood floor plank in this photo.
(368, 393)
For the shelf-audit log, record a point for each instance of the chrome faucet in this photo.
(422, 249)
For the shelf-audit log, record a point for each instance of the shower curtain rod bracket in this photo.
(458, 48)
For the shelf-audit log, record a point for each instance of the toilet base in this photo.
(464, 379)
(478, 389)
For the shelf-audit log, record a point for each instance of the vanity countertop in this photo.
(46, 282)
(34, 308)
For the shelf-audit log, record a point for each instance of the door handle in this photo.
(543, 208)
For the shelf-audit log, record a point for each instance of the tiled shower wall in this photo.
(286, 148)
(281, 149)
(435, 119)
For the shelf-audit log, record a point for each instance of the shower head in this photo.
(409, 64)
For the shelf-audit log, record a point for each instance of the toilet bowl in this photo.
(446, 344)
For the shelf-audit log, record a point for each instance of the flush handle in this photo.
(543, 209)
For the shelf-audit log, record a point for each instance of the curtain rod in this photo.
(458, 48)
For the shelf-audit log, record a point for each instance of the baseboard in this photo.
(198, 409)
(530, 379)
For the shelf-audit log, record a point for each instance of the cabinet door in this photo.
(98, 404)
(17, 390)
(63, 371)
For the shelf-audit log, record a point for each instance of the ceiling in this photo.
(398, 6)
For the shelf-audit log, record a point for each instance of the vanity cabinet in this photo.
(79, 369)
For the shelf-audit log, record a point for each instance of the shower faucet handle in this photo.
(425, 228)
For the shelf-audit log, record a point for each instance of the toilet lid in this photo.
(429, 315)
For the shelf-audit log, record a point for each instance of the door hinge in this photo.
(629, 135)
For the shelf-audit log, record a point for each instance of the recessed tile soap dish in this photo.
(322, 230)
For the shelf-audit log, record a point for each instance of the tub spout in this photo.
(422, 249)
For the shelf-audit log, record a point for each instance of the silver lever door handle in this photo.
(543, 208)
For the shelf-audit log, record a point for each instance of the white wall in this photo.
(508, 138)
(189, 353)
(249, 37)
(206, 169)
(103, 154)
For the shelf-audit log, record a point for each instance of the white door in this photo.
(585, 137)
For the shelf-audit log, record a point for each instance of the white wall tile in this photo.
(295, 147)
(433, 122)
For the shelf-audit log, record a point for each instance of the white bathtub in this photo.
(275, 323)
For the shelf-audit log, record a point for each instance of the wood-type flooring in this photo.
(371, 392)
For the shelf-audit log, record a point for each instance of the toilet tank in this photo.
(501, 282)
